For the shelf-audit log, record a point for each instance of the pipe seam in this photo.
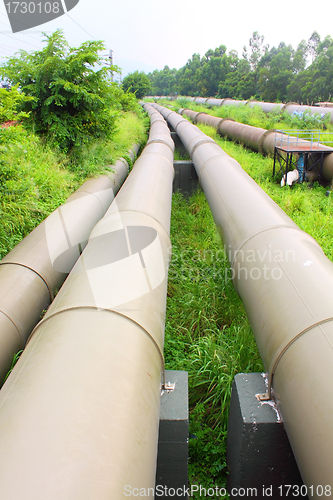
(205, 164)
(98, 309)
(30, 269)
(200, 143)
(275, 362)
(159, 141)
(10, 319)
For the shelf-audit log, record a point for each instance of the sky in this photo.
(148, 34)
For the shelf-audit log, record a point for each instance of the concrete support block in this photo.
(172, 456)
(186, 179)
(259, 455)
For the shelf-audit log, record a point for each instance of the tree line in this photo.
(276, 74)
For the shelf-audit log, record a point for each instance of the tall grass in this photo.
(35, 179)
(207, 333)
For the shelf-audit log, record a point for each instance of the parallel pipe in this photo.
(285, 282)
(36, 268)
(267, 107)
(79, 414)
(258, 139)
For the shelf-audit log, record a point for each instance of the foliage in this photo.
(10, 102)
(73, 98)
(207, 333)
(276, 74)
(163, 82)
(35, 179)
(137, 83)
(33, 182)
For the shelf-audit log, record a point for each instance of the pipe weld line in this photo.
(206, 140)
(204, 165)
(96, 308)
(34, 271)
(159, 141)
(10, 319)
(181, 122)
(286, 347)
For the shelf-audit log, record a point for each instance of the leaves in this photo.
(71, 96)
(137, 83)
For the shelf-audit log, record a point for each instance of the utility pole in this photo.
(111, 63)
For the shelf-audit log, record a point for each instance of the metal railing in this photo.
(290, 139)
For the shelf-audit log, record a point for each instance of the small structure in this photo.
(301, 150)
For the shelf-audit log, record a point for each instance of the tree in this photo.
(163, 82)
(138, 83)
(256, 50)
(71, 89)
(313, 43)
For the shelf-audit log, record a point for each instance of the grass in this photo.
(207, 333)
(35, 179)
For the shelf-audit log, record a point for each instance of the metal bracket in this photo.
(168, 386)
(264, 396)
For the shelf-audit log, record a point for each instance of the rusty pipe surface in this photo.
(79, 414)
(285, 282)
(36, 268)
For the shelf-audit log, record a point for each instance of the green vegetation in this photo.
(33, 182)
(137, 83)
(276, 74)
(10, 101)
(60, 105)
(35, 178)
(72, 97)
(207, 333)
(81, 125)
(310, 209)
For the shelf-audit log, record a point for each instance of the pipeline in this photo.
(258, 139)
(285, 282)
(79, 414)
(267, 107)
(36, 268)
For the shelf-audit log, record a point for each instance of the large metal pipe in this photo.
(291, 107)
(32, 273)
(267, 107)
(212, 101)
(285, 282)
(258, 139)
(79, 414)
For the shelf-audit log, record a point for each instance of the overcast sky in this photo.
(149, 34)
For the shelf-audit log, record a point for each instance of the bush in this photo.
(72, 98)
(137, 83)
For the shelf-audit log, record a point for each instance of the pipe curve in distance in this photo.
(79, 414)
(286, 283)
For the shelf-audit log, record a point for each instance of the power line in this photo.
(81, 27)
(24, 34)
(17, 39)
